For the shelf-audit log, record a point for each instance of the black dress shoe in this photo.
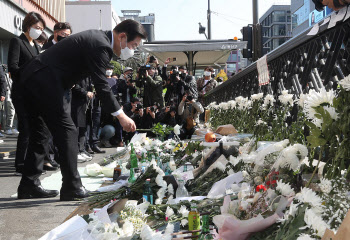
(54, 163)
(49, 167)
(96, 149)
(27, 192)
(74, 195)
(89, 150)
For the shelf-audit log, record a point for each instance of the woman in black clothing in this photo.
(22, 49)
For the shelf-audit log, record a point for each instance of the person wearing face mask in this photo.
(47, 81)
(61, 30)
(153, 88)
(188, 82)
(205, 84)
(21, 50)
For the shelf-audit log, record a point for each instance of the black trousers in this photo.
(23, 128)
(48, 108)
(81, 138)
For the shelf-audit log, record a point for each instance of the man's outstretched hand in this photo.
(127, 123)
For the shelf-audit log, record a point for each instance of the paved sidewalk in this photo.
(29, 219)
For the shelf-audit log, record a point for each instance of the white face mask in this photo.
(109, 72)
(35, 33)
(126, 52)
(207, 74)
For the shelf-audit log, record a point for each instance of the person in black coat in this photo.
(21, 50)
(61, 30)
(47, 81)
(2, 83)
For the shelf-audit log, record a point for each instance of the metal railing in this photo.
(303, 63)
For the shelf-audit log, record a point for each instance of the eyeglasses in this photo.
(63, 34)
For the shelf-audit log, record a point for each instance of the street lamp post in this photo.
(209, 20)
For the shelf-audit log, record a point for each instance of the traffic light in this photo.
(248, 36)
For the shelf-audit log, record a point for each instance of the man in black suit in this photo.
(47, 81)
(61, 30)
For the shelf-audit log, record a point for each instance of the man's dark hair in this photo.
(61, 26)
(132, 29)
(318, 5)
(42, 38)
(135, 99)
(183, 67)
(210, 69)
(31, 19)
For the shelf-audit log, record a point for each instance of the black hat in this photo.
(318, 5)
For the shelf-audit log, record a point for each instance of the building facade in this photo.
(146, 21)
(276, 27)
(12, 13)
(304, 15)
(85, 15)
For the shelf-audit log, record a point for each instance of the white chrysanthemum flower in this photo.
(301, 100)
(301, 149)
(269, 100)
(171, 189)
(285, 189)
(160, 182)
(345, 83)
(316, 99)
(315, 222)
(325, 185)
(286, 99)
(232, 104)
(159, 201)
(239, 99)
(256, 97)
(304, 236)
(169, 229)
(332, 112)
(161, 193)
(169, 212)
(184, 212)
(184, 222)
(224, 106)
(211, 105)
(260, 122)
(306, 195)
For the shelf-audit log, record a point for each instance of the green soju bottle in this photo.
(205, 233)
(132, 178)
(147, 192)
(133, 157)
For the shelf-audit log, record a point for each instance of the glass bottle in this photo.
(147, 192)
(181, 190)
(194, 220)
(185, 168)
(144, 164)
(117, 172)
(132, 178)
(167, 169)
(133, 157)
(205, 233)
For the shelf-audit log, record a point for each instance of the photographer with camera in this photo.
(206, 84)
(188, 82)
(126, 86)
(153, 87)
(189, 110)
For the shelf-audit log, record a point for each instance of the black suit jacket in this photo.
(48, 45)
(20, 53)
(2, 82)
(81, 55)
(80, 101)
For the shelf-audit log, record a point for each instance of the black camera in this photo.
(152, 109)
(142, 70)
(173, 74)
(189, 98)
(139, 106)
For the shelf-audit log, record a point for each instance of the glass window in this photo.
(279, 30)
(231, 66)
(232, 57)
(279, 16)
(289, 19)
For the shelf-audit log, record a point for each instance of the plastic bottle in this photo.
(181, 190)
(147, 192)
(194, 219)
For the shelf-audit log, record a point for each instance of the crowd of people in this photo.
(68, 110)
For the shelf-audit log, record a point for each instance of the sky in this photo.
(178, 19)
